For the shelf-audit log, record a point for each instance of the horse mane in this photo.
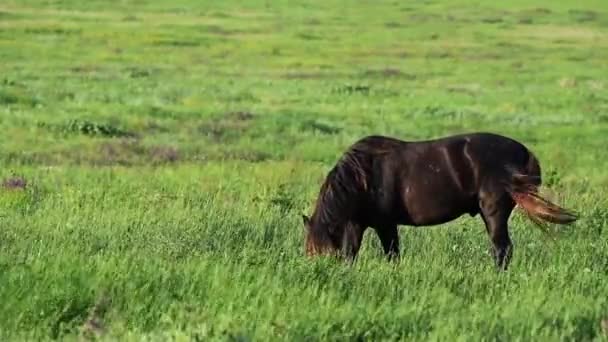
(347, 181)
(344, 182)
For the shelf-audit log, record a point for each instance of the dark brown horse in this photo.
(382, 182)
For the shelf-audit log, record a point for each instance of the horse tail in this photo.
(523, 189)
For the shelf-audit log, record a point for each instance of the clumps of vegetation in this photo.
(159, 112)
(281, 197)
(353, 89)
(86, 127)
(252, 156)
(601, 118)
(177, 43)
(227, 127)
(552, 178)
(163, 154)
(14, 93)
(94, 128)
(135, 72)
(7, 97)
(582, 16)
(367, 90)
(241, 115)
(124, 152)
(492, 20)
(14, 183)
(308, 36)
(22, 197)
(439, 112)
(130, 152)
(530, 16)
(388, 72)
(315, 126)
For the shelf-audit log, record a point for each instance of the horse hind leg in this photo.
(496, 207)
(389, 237)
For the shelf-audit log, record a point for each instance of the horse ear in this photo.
(306, 221)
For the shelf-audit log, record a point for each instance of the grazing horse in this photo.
(381, 182)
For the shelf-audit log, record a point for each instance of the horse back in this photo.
(435, 181)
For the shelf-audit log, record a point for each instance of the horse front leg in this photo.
(351, 242)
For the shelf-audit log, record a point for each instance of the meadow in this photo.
(156, 158)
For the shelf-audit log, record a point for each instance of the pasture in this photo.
(156, 158)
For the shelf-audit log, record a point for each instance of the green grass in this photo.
(169, 149)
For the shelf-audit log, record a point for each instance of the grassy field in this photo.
(155, 159)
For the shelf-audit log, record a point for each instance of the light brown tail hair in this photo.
(524, 191)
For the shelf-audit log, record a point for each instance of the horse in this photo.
(381, 182)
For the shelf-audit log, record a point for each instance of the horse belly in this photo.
(436, 201)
